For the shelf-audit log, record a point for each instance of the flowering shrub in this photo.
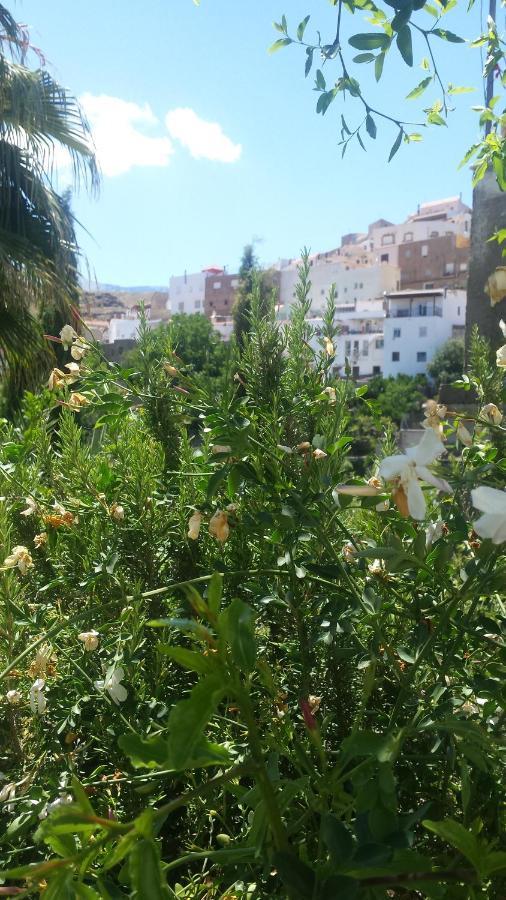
(230, 667)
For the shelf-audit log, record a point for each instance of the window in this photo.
(421, 356)
(428, 286)
(425, 249)
(449, 268)
(217, 285)
(466, 226)
(376, 370)
(408, 236)
(395, 356)
(387, 239)
(458, 310)
(378, 343)
(180, 307)
(347, 348)
(422, 331)
(407, 254)
(434, 234)
(463, 267)
(355, 347)
(355, 371)
(397, 332)
(384, 257)
(322, 291)
(422, 309)
(346, 290)
(365, 348)
(197, 304)
(234, 283)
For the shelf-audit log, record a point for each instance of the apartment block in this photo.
(417, 322)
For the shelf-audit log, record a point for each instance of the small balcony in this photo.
(419, 311)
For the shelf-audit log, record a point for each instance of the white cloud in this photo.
(118, 131)
(204, 140)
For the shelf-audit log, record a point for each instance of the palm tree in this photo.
(39, 123)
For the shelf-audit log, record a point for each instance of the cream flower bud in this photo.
(331, 394)
(117, 512)
(77, 400)
(194, 523)
(67, 336)
(31, 507)
(78, 349)
(501, 356)
(219, 527)
(13, 697)
(221, 448)
(40, 539)
(90, 640)
(492, 414)
(319, 454)
(464, 435)
(305, 445)
(170, 370)
(329, 346)
(20, 558)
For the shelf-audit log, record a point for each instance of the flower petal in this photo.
(357, 490)
(416, 500)
(119, 693)
(491, 526)
(489, 500)
(392, 466)
(429, 449)
(426, 475)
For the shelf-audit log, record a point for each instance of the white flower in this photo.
(37, 699)
(382, 506)
(502, 326)
(331, 394)
(350, 553)
(19, 557)
(68, 336)
(492, 414)
(62, 800)
(89, 639)
(112, 684)
(194, 524)
(219, 527)
(501, 356)
(13, 697)
(319, 454)
(406, 469)
(78, 349)
(117, 512)
(31, 507)
(433, 532)
(492, 503)
(284, 449)
(76, 400)
(73, 368)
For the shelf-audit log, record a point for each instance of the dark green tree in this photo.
(251, 279)
(448, 363)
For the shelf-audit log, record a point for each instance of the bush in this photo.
(447, 364)
(226, 674)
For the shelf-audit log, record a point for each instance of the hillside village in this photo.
(414, 271)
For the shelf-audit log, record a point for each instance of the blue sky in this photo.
(153, 74)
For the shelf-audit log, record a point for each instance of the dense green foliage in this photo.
(226, 676)
(448, 362)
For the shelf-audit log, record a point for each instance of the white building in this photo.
(187, 293)
(127, 328)
(357, 285)
(431, 220)
(416, 324)
(360, 341)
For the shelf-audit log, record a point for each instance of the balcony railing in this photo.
(418, 312)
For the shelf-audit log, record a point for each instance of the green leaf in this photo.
(188, 718)
(345, 127)
(337, 838)
(370, 125)
(447, 36)
(494, 862)
(145, 872)
(216, 480)
(320, 84)
(405, 45)
(277, 45)
(236, 624)
(188, 659)
(395, 146)
(148, 753)
(302, 27)
(453, 89)
(359, 139)
(309, 61)
(370, 41)
(297, 877)
(324, 101)
(364, 58)
(419, 89)
(81, 797)
(459, 837)
(378, 66)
